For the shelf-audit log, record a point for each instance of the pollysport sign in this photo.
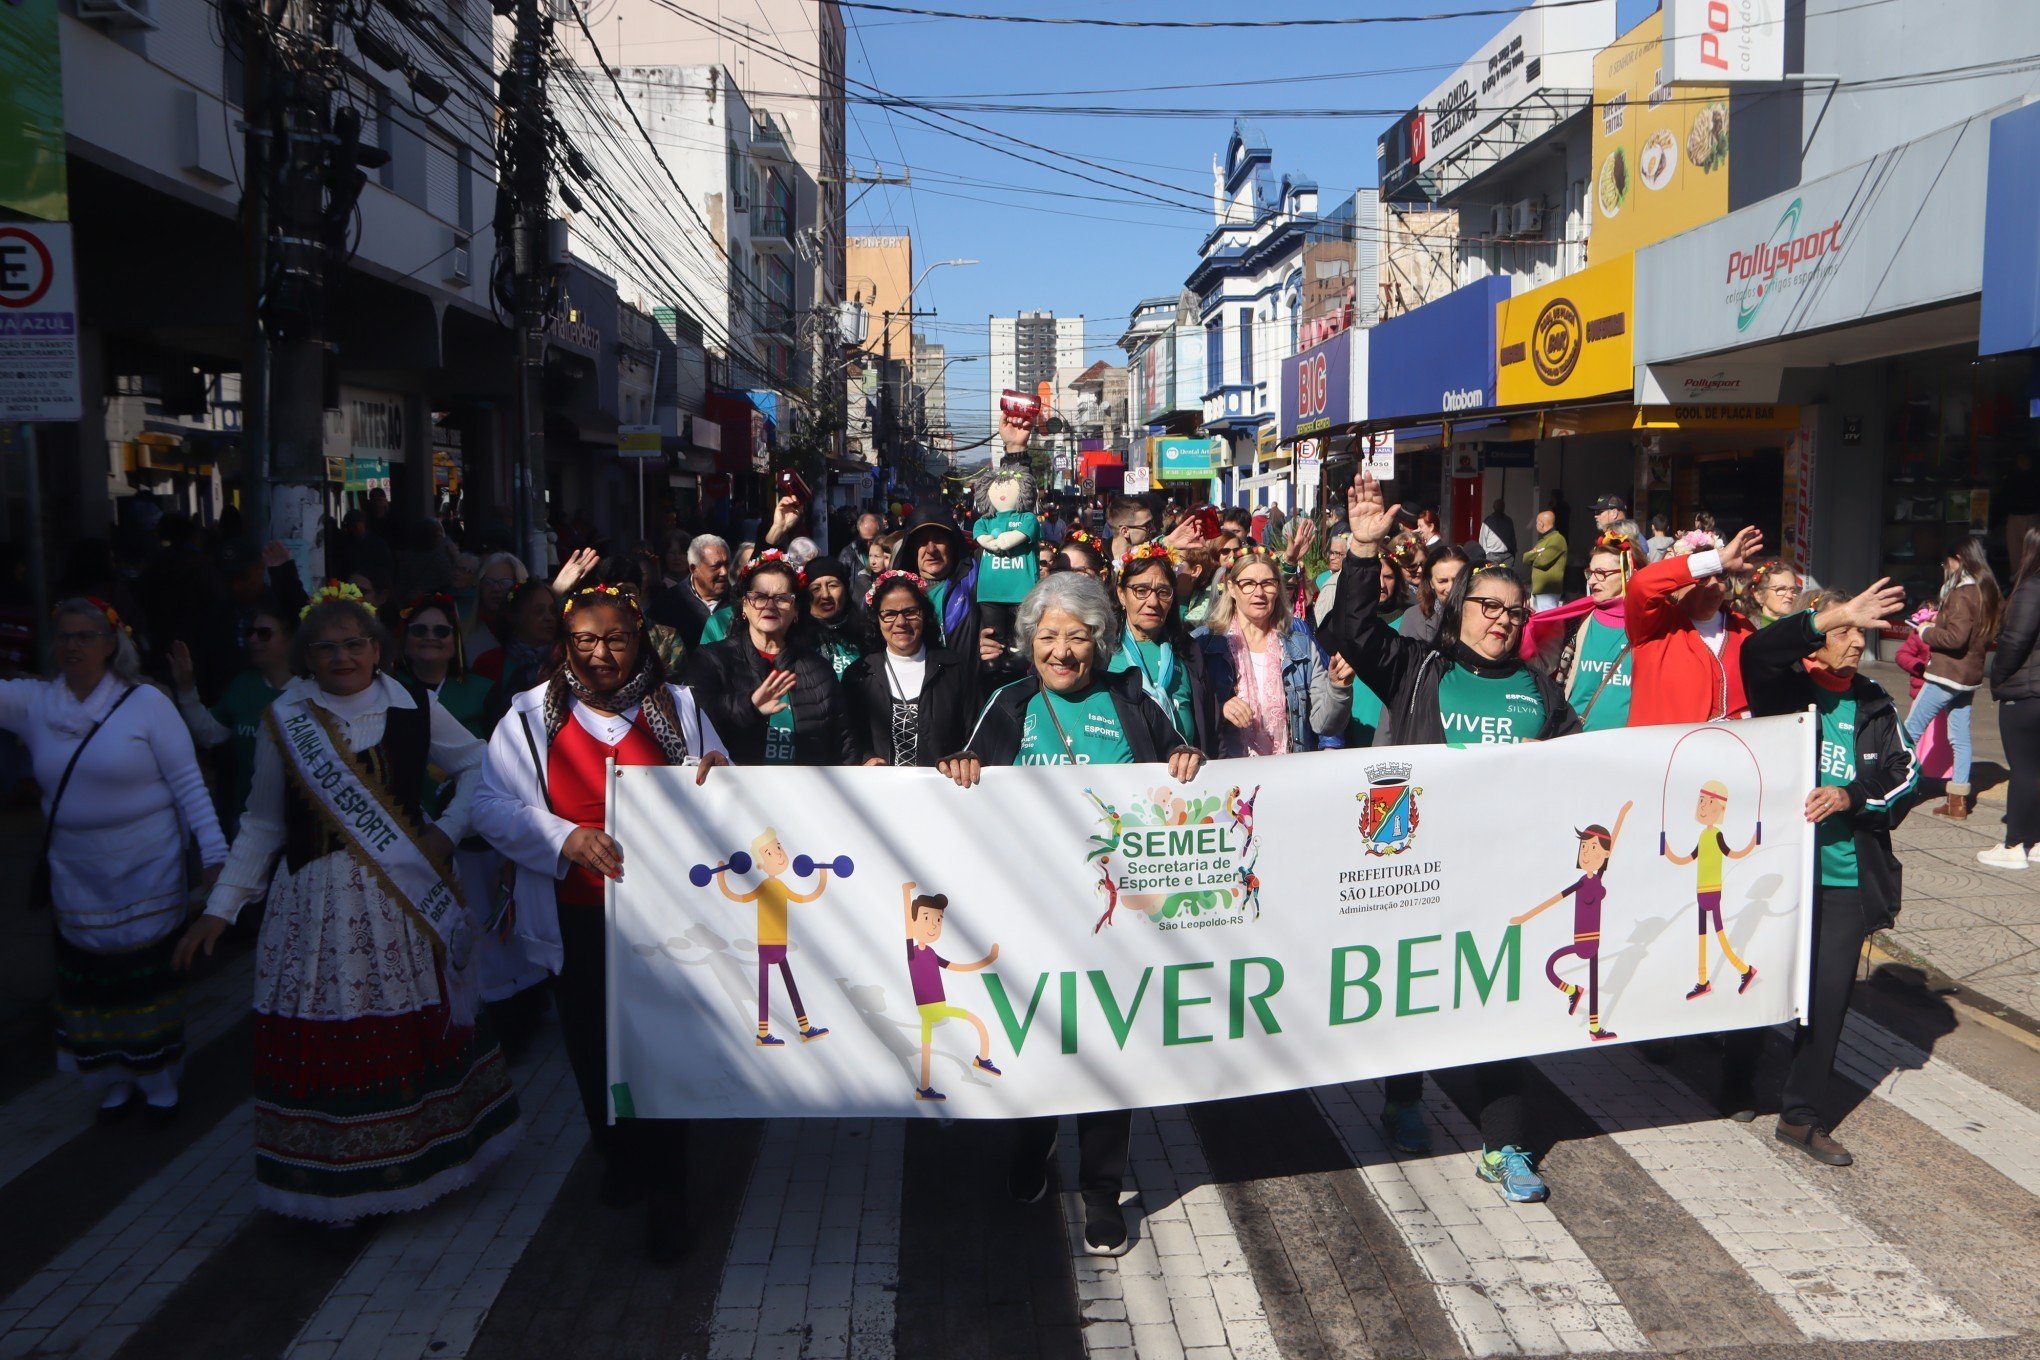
(1753, 273)
(1706, 384)
(38, 323)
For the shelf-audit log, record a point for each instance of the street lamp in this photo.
(931, 269)
(885, 378)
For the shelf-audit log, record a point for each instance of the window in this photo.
(1246, 347)
(1214, 356)
(464, 193)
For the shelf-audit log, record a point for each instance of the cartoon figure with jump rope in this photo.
(1710, 855)
(1597, 847)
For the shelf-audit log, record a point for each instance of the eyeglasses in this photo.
(68, 637)
(897, 615)
(1492, 609)
(1602, 573)
(1161, 591)
(332, 651)
(1259, 586)
(441, 631)
(762, 598)
(261, 632)
(587, 643)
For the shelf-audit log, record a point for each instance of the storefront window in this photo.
(1959, 461)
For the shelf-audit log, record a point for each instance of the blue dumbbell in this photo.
(701, 875)
(841, 866)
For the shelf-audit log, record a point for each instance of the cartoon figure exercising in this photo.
(924, 966)
(1709, 854)
(1104, 845)
(773, 897)
(1241, 810)
(1597, 847)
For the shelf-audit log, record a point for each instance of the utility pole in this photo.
(259, 131)
(530, 195)
(887, 423)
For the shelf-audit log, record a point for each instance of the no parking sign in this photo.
(38, 323)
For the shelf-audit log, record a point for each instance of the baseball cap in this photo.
(1610, 500)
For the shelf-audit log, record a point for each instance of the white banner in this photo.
(1724, 42)
(1094, 937)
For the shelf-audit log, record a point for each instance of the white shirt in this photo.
(1713, 632)
(906, 675)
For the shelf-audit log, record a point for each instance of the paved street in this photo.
(1276, 1226)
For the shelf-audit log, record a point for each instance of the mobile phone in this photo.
(791, 483)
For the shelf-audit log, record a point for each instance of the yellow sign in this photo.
(1660, 154)
(1568, 340)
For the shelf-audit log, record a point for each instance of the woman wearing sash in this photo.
(1191, 678)
(121, 790)
(542, 803)
(376, 1089)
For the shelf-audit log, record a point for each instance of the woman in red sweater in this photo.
(1686, 645)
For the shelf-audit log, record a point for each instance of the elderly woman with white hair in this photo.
(121, 793)
(1070, 710)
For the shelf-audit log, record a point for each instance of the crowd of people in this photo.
(436, 717)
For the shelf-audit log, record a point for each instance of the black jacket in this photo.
(1208, 663)
(1887, 778)
(724, 674)
(949, 705)
(2015, 668)
(1406, 673)
(1149, 733)
(679, 608)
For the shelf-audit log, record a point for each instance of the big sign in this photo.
(1317, 388)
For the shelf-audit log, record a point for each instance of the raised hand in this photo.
(1741, 551)
(1368, 515)
(573, 569)
(182, 674)
(770, 697)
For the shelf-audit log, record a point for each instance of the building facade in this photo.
(1031, 349)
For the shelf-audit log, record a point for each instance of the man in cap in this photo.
(936, 550)
(1610, 508)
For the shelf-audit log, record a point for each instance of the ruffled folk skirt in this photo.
(119, 1016)
(368, 1100)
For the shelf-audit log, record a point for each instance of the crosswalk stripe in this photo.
(95, 1293)
(431, 1277)
(814, 1261)
(1184, 1287)
(1977, 1118)
(1510, 1278)
(1828, 1271)
(59, 1107)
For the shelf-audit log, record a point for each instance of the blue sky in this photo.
(1049, 240)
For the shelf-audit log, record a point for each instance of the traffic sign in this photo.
(38, 323)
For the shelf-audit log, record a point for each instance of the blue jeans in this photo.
(1932, 701)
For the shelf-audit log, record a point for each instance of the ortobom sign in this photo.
(881, 943)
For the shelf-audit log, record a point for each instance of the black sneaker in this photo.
(1027, 1178)
(1105, 1226)
(1737, 1102)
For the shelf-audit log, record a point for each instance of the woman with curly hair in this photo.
(378, 1085)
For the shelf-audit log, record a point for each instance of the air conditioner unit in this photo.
(118, 13)
(740, 202)
(456, 264)
(1498, 221)
(1526, 218)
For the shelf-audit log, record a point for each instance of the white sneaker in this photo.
(2003, 857)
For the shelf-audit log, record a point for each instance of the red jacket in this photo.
(1674, 678)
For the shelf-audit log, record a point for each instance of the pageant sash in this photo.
(374, 830)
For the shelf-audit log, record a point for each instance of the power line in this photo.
(1091, 21)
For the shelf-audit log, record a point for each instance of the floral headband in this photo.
(1154, 550)
(113, 618)
(603, 594)
(884, 578)
(1616, 541)
(331, 591)
(772, 557)
(1699, 540)
(1405, 553)
(439, 600)
(1085, 538)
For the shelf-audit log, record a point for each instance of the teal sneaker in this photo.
(1509, 1171)
(1405, 1129)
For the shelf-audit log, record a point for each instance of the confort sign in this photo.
(1753, 273)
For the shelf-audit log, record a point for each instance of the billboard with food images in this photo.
(1660, 153)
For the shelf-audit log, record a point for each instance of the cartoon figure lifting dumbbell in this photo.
(773, 897)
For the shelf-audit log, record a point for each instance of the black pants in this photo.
(1102, 1138)
(2019, 725)
(1499, 1088)
(1841, 923)
(650, 1153)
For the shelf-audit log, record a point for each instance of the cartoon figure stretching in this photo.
(1250, 883)
(1114, 823)
(773, 897)
(1241, 810)
(1597, 847)
(1709, 855)
(924, 927)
